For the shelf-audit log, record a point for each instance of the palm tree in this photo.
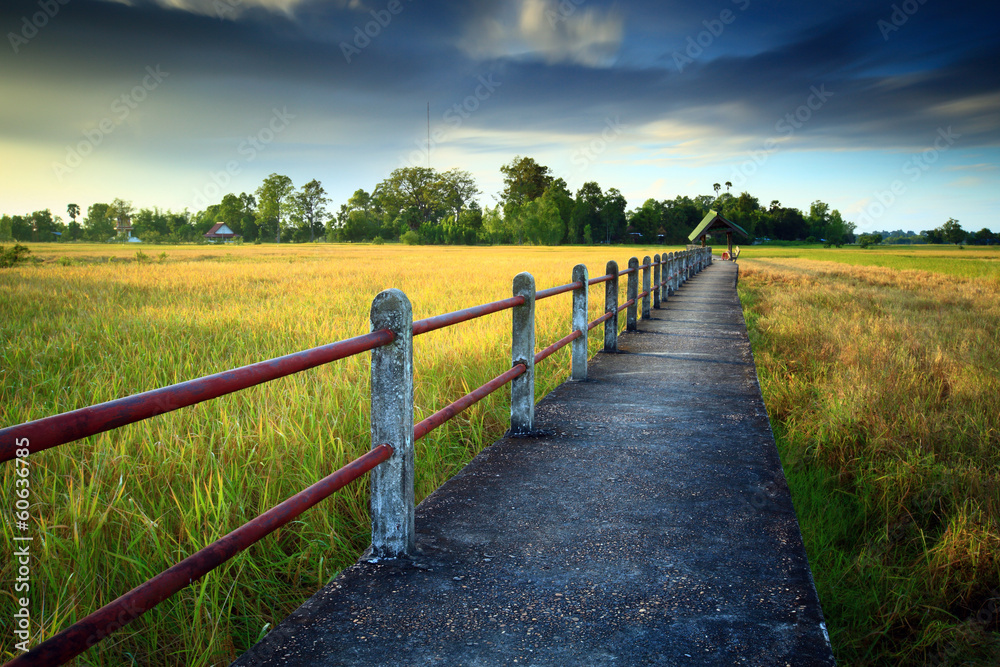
(729, 184)
(73, 211)
(716, 187)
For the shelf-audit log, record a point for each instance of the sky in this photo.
(887, 111)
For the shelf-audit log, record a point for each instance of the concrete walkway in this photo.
(649, 525)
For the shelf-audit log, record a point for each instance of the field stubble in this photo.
(94, 323)
(883, 389)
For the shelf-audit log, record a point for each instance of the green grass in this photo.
(883, 388)
(970, 262)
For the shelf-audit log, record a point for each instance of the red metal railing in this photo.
(70, 426)
(80, 636)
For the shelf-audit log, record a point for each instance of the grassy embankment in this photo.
(90, 324)
(881, 375)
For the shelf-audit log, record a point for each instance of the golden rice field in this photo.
(882, 381)
(92, 323)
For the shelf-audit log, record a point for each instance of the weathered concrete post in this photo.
(656, 281)
(668, 286)
(522, 389)
(611, 306)
(709, 253)
(392, 422)
(580, 304)
(645, 286)
(632, 294)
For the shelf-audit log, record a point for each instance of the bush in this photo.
(410, 238)
(14, 256)
(64, 261)
(378, 240)
(141, 257)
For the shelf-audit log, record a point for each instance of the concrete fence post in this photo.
(611, 306)
(709, 253)
(656, 281)
(632, 294)
(580, 305)
(522, 389)
(392, 422)
(646, 268)
(669, 286)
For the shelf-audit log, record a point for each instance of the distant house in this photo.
(220, 232)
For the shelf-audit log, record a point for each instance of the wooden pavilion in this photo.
(714, 223)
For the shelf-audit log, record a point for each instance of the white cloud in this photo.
(556, 32)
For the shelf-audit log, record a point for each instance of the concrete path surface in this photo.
(649, 523)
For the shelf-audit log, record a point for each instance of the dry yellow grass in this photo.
(883, 387)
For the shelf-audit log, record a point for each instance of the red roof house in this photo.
(221, 232)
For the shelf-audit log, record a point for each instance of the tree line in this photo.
(424, 205)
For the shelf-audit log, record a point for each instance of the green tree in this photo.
(416, 187)
(587, 212)
(99, 224)
(953, 232)
(310, 204)
(73, 210)
(867, 240)
(495, 228)
(458, 190)
(273, 202)
(42, 226)
(613, 214)
(541, 221)
(524, 180)
(559, 194)
(6, 228)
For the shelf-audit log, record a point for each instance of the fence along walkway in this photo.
(646, 520)
(391, 458)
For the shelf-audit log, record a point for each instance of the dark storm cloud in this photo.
(890, 85)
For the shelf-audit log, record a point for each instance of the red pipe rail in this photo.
(473, 397)
(60, 429)
(603, 318)
(559, 344)
(115, 615)
(552, 291)
(464, 315)
(67, 427)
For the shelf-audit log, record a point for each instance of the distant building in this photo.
(221, 232)
(123, 229)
